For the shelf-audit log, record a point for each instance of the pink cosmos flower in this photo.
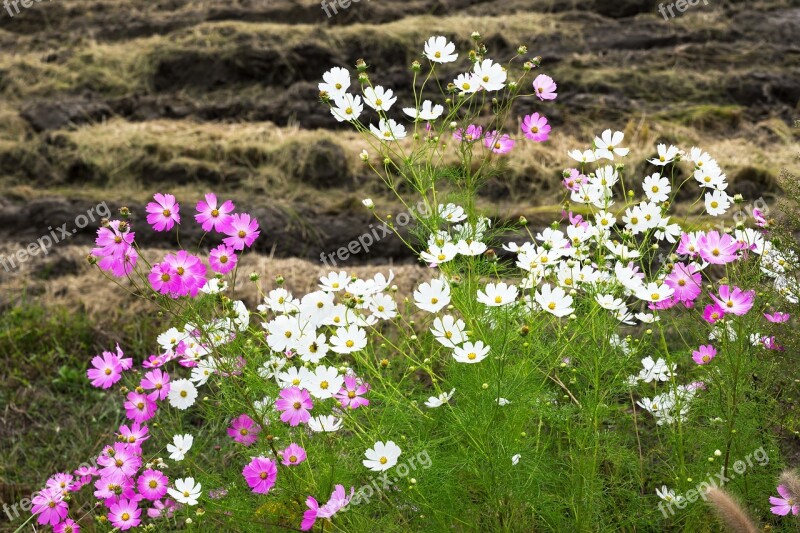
(578, 221)
(106, 372)
(761, 220)
(213, 216)
(134, 436)
(50, 506)
(152, 484)
(785, 504)
(713, 313)
(337, 501)
(294, 404)
(473, 133)
(125, 362)
(162, 509)
(260, 474)
(352, 393)
(113, 487)
(85, 474)
(734, 301)
(163, 279)
(222, 259)
(158, 382)
(545, 87)
(688, 245)
(293, 455)
(119, 460)
(139, 408)
(704, 354)
(242, 230)
(154, 361)
(111, 240)
(535, 127)
(777, 317)
(573, 179)
(718, 249)
(124, 514)
(499, 144)
(686, 282)
(244, 430)
(771, 343)
(163, 213)
(67, 526)
(188, 270)
(60, 481)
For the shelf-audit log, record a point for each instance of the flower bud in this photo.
(361, 65)
(364, 155)
(476, 36)
(415, 66)
(523, 221)
(522, 50)
(254, 276)
(368, 203)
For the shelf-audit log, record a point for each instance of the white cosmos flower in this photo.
(348, 339)
(334, 282)
(182, 394)
(279, 301)
(608, 301)
(587, 156)
(271, 367)
(653, 292)
(347, 108)
(667, 494)
(433, 296)
(555, 301)
(502, 402)
(324, 424)
(438, 401)
(335, 82)
(427, 112)
(467, 83)
(717, 203)
(382, 456)
(378, 98)
(382, 306)
(324, 382)
(449, 331)
(294, 377)
(170, 339)
(471, 353)
(515, 459)
(180, 445)
(186, 491)
(656, 188)
(471, 248)
(440, 50)
(214, 286)
(203, 371)
(388, 130)
(436, 255)
(491, 75)
(654, 370)
(283, 332)
(312, 347)
(665, 155)
(452, 212)
(498, 294)
(608, 145)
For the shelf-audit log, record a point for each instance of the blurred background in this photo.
(114, 100)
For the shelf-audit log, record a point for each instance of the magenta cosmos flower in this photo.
(158, 382)
(294, 404)
(139, 408)
(211, 215)
(119, 460)
(152, 484)
(107, 370)
(352, 393)
(124, 514)
(242, 230)
(734, 300)
(163, 214)
(134, 436)
(472, 133)
(293, 455)
(718, 249)
(545, 87)
(188, 271)
(67, 526)
(777, 317)
(535, 127)
(49, 506)
(686, 282)
(499, 144)
(244, 430)
(785, 504)
(222, 259)
(260, 474)
(164, 509)
(704, 354)
(713, 313)
(337, 501)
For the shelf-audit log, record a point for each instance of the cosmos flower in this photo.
(440, 50)
(382, 456)
(704, 354)
(734, 300)
(292, 455)
(106, 372)
(260, 474)
(242, 231)
(222, 259)
(294, 405)
(124, 514)
(180, 445)
(785, 504)
(212, 216)
(152, 484)
(535, 127)
(471, 353)
(352, 393)
(186, 491)
(497, 143)
(163, 214)
(544, 87)
(244, 430)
